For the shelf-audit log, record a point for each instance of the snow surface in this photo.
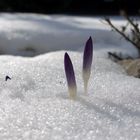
(35, 105)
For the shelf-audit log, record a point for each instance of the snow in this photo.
(35, 105)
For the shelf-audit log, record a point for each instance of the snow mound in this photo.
(35, 103)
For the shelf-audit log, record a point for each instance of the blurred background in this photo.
(73, 7)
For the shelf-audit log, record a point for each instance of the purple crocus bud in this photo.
(69, 71)
(87, 62)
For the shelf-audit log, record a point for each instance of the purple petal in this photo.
(87, 62)
(69, 71)
(88, 54)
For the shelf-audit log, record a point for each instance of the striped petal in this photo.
(69, 71)
(87, 62)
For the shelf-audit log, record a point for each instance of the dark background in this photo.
(77, 7)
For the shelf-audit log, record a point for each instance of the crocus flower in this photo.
(87, 62)
(69, 71)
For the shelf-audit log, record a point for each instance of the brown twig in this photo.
(122, 33)
(114, 56)
(135, 26)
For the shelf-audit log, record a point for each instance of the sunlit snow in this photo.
(35, 104)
